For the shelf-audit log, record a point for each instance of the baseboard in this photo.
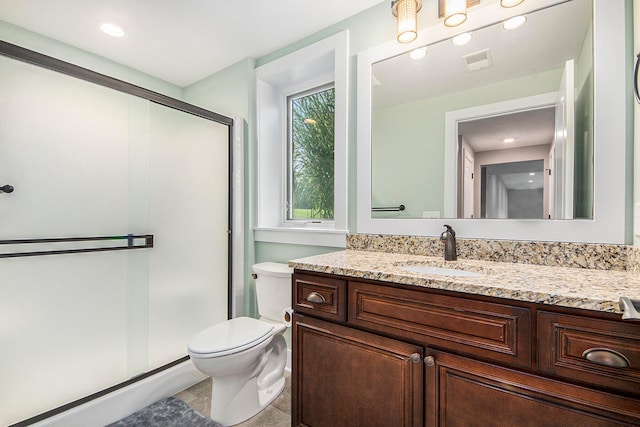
(125, 401)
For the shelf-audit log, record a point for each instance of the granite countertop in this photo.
(582, 288)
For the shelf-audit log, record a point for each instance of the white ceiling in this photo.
(180, 41)
(528, 128)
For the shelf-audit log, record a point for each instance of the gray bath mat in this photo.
(169, 412)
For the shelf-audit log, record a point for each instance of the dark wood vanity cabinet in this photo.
(347, 377)
(464, 392)
(482, 361)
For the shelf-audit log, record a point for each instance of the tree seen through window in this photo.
(311, 168)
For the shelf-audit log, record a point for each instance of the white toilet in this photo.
(246, 357)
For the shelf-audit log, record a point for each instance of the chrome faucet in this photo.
(449, 238)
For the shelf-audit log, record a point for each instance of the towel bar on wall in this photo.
(130, 240)
(389, 209)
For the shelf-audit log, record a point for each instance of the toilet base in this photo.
(233, 402)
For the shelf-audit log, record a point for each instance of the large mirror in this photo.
(520, 102)
(503, 127)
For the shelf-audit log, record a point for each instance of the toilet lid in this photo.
(231, 336)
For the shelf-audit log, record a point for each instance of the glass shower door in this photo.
(86, 160)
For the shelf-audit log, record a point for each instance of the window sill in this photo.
(302, 236)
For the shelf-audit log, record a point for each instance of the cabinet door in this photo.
(464, 392)
(345, 377)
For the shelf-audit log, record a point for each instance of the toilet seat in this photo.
(230, 337)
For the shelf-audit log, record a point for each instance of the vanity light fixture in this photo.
(112, 29)
(462, 39)
(407, 13)
(510, 3)
(419, 53)
(515, 22)
(455, 12)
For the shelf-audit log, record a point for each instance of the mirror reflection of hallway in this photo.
(502, 155)
(513, 190)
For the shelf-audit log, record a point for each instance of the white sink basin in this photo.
(440, 271)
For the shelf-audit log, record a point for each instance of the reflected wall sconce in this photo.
(510, 3)
(407, 13)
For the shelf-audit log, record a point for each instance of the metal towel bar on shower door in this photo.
(130, 238)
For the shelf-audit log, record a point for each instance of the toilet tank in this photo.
(273, 289)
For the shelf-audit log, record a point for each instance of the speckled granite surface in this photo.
(583, 288)
(577, 255)
(633, 259)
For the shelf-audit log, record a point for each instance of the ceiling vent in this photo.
(477, 60)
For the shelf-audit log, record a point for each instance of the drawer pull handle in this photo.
(606, 357)
(315, 298)
(415, 357)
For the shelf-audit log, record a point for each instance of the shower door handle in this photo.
(6, 189)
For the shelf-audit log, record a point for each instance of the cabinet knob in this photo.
(606, 357)
(429, 361)
(415, 357)
(315, 298)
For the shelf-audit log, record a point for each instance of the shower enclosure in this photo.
(115, 239)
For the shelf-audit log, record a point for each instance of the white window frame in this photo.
(324, 62)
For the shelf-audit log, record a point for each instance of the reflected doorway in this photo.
(513, 190)
(504, 164)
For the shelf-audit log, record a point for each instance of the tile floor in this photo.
(278, 414)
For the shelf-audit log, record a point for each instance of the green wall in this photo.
(365, 31)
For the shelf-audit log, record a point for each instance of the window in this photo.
(301, 135)
(310, 160)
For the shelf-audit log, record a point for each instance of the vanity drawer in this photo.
(565, 342)
(320, 296)
(492, 331)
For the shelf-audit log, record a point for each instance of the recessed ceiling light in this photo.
(112, 29)
(532, 173)
(515, 22)
(530, 181)
(508, 140)
(418, 53)
(462, 39)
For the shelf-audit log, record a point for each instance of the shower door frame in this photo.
(41, 60)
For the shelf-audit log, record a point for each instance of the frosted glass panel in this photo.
(63, 146)
(62, 330)
(189, 215)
